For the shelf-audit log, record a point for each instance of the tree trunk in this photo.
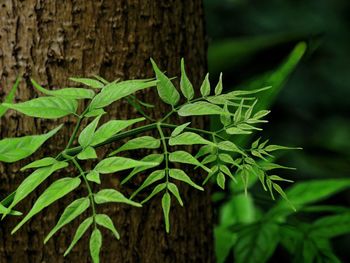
(53, 40)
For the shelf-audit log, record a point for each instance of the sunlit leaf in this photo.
(54, 192)
(185, 84)
(79, 233)
(166, 89)
(166, 203)
(115, 164)
(15, 149)
(46, 107)
(143, 142)
(95, 245)
(111, 128)
(71, 212)
(106, 221)
(112, 196)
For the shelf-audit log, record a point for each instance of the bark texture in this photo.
(53, 40)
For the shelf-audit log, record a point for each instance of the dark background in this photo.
(249, 38)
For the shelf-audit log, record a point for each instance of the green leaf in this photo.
(220, 180)
(116, 91)
(143, 142)
(10, 97)
(180, 175)
(111, 128)
(166, 203)
(67, 93)
(115, 164)
(256, 243)
(309, 192)
(46, 107)
(4, 210)
(204, 150)
(94, 113)
(95, 245)
(79, 233)
(205, 87)
(271, 148)
(185, 157)
(54, 192)
(154, 158)
(152, 178)
(175, 191)
(88, 153)
(93, 83)
(235, 130)
(71, 212)
(99, 78)
(218, 88)
(226, 170)
(166, 89)
(331, 226)
(155, 191)
(230, 147)
(34, 180)
(40, 163)
(93, 176)
(185, 84)
(15, 149)
(224, 242)
(113, 196)
(200, 108)
(106, 221)
(179, 129)
(86, 135)
(188, 138)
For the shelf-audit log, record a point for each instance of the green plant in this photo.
(218, 157)
(251, 229)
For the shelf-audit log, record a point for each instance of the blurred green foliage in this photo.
(250, 41)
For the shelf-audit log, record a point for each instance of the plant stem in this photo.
(136, 131)
(91, 195)
(165, 152)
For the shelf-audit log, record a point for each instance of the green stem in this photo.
(138, 108)
(133, 132)
(165, 151)
(91, 195)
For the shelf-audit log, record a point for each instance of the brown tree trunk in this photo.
(53, 40)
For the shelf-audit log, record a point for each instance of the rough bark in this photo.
(53, 40)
